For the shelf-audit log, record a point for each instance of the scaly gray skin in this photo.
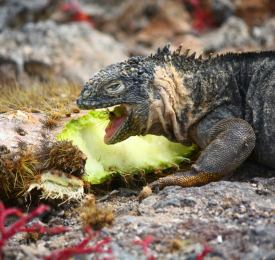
(225, 104)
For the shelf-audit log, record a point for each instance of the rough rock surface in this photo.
(33, 126)
(265, 34)
(15, 13)
(233, 33)
(222, 9)
(150, 24)
(74, 51)
(254, 12)
(143, 27)
(236, 218)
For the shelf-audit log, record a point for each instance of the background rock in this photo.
(265, 34)
(74, 51)
(15, 13)
(254, 12)
(222, 9)
(234, 33)
(32, 46)
(140, 27)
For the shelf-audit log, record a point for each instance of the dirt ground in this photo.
(235, 218)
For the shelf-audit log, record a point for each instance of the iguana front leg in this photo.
(230, 142)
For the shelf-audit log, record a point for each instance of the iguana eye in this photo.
(86, 93)
(114, 88)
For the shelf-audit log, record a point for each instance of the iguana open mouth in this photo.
(117, 117)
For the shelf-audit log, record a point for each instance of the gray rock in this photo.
(222, 9)
(56, 221)
(265, 34)
(233, 33)
(127, 220)
(228, 216)
(212, 204)
(121, 254)
(48, 243)
(189, 202)
(162, 204)
(74, 51)
(176, 202)
(14, 13)
(264, 238)
(104, 232)
(142, 27)
(122, 212)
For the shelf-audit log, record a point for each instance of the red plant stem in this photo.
(204, 252)
(77, 15)
(80, 248)
(145, 247)
(18, 226)
(202, 19)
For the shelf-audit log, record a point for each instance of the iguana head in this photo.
(144, 89)
(127, 85)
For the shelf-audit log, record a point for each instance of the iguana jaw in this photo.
(121, 127)
(117, 123)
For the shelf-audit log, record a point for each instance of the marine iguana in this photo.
(225, 104)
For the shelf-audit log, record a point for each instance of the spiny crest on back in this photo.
(166, 55)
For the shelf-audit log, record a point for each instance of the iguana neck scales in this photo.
(189, 99)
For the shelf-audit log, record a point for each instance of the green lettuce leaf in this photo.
(132, 156)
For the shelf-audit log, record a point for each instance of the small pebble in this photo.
(48, 243)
